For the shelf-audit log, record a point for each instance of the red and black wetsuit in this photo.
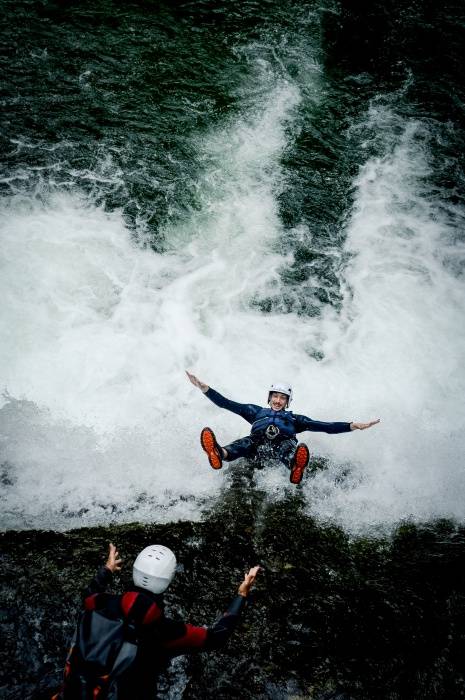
(159, 638)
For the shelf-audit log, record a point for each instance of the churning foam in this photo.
(98, 419)
(399, 348)
(100, 423)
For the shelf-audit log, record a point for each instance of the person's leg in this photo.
(299, 463)
(244, 447)
(285, 451)
(210, 445)
(294, 456)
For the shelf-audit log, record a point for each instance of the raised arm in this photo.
(219, 634)
(248, 411)
(316, 426)
(104, 575)
(193, 638)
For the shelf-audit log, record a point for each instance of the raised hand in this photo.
(113, 562)
(249, 580)
(196, 382)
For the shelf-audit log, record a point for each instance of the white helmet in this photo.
(281, 388)
(154, 568)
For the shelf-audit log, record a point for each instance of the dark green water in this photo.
(115, 100)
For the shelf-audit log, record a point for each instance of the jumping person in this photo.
(273, 430)
(156, 638)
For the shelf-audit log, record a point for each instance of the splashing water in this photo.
(98, 421)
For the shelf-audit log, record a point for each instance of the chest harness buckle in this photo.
(272, 431)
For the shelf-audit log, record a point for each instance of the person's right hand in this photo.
(249, 580)
(196, 382)
(113, 562)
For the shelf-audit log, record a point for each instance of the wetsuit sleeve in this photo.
(317, 426)
(248, 411)
(99, 583)
(190, 638)
(219, 634)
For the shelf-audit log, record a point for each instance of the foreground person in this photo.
(273, 430)
(124, 641)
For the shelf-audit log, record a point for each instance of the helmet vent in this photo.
(154, 568)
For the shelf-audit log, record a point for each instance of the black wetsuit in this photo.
(159, 638)
(273, 433)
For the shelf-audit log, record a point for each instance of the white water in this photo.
(399, 348)
(102, 425)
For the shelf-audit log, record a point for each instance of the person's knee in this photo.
(239, 448)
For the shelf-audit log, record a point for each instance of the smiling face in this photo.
(278, 401)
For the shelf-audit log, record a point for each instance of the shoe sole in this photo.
(300, 462)
(211, 447)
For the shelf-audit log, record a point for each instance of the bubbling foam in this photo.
(100, 422)
(399, 348)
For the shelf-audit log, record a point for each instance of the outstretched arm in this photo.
(205, 638)
(248, 411)
(317, 426)
(104, 575)
(219, 634)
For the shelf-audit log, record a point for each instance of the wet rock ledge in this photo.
(332, 617)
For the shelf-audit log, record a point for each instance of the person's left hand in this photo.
(248, 582)
(364, 426)
(113, 562)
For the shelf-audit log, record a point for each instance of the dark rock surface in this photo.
(333, 618)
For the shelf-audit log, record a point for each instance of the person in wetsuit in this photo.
(159, 638)
(273, 431)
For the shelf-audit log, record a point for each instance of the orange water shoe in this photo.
(211, 447)
(299, 463)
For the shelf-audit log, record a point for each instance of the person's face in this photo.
(278, 401)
